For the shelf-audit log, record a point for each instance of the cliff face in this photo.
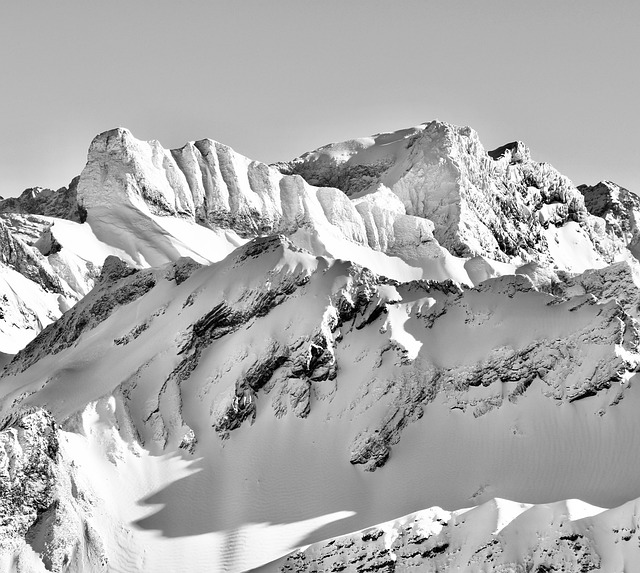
(208, 183)
(203, 181)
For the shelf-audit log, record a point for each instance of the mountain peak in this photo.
(229, 360)
(518, 152)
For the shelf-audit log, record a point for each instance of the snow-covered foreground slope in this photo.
(213, 418)
(250, 362)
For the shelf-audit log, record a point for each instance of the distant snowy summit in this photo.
(213, 363)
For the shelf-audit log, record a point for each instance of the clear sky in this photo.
(276, 78)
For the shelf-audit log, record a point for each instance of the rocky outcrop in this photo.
(29, 262)
(618, 282)
(40, 201)
(516, 152)
(620, 210)
(27, 228)
(119, 286)
(28, 455)
(497, 536)
(568, 368)
(44, 513)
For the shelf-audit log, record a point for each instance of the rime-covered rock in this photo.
(620, 209)
(44, 513)
(28, 455)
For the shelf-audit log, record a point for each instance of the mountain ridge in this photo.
(249, 361)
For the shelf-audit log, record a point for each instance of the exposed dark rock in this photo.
(620, 209)
(28, 455)
(518, 151)
(28, 261)
(40, 201)
(114, 269)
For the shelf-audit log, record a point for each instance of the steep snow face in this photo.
(495, 204)
(25, 309)
(241, 404)
(32, 293)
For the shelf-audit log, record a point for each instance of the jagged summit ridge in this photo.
(429, 193)
(209, 184)
(498, 204)
(204, 180)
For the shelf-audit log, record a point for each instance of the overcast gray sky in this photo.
(275, 79)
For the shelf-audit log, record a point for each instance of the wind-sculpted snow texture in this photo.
(244, 360)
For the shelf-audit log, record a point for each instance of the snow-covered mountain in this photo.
(236, 362)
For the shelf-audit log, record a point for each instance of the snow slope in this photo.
(240, 427)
